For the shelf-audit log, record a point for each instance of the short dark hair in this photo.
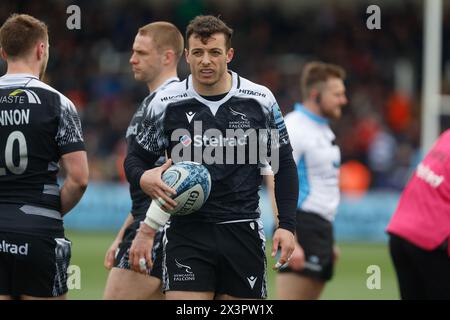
(317, 73)
(205, 26)
(20, 33)
(165, 35)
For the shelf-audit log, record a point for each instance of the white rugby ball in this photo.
(192, 182)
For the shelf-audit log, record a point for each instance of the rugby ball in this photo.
(192, 182)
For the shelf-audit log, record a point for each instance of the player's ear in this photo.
(186, 54)
(40, 50)
(230, 55)
(314, 95)
(3, 54)
(168, 56)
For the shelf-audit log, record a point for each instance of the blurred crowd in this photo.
(379, 134)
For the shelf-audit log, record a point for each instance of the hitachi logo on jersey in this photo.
(14, 117)
(167, 98)
(220, 141)
(13, 248)
(252, 93)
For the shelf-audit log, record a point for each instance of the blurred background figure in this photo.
(420, 228)
(318, 160)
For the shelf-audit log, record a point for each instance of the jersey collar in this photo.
(316, 118)
(166, 83)
(19, 75)
(214, 105)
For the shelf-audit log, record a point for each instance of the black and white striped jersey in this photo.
(228, 136)
(37, 126)
(140, 200)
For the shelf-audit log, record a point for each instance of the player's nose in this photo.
(133, 59)
(205, 60)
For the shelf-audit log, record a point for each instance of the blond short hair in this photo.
(20, 33)
(165, 35)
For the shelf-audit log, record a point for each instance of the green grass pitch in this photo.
(349, 282)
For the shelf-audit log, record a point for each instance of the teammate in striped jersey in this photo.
(39, 129)
(157, 49)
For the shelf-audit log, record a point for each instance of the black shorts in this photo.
(315, 236)
(123, 254)
(33, 266)
(221, 258)
(421, 274)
